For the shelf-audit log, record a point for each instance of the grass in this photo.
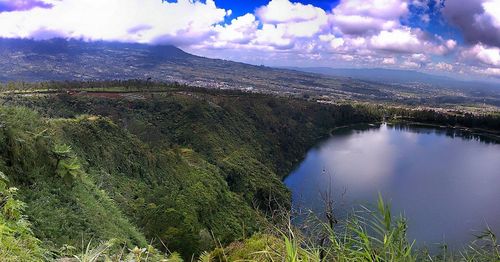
(364, 236)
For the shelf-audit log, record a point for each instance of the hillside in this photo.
(404, 77)
(170, 170)
(178, 168)
(58, 60)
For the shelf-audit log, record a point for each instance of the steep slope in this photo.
(177, 168)
(63, 203)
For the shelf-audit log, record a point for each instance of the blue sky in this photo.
(451, 37)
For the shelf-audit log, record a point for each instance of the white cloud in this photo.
(483, 54)
(492, 11)
(489, 71)
(355, 32)
(273, 35)
(333, 41)
(419, 58)
(451, 44)
(241, 30)
(398, 40)
(407, 40)
(492, 71)
(359, 25)
(114, 20)
(384, 9)
(293, 19)
(444, 66)
(284, 11)
(280, 25)
(410, 65)
(347, 57)
(389, 61)
(358, 17)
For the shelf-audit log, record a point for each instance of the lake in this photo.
(445, 182)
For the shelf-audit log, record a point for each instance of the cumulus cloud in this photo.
(399, 40)
(284, 11)
(355, 32)
(492, 71)
(273, 35)
(359, 17)
(241, 30)
(419, 58)
(451, 44)
(140, 21)
(486, 55)
(307, 32)
(479, 20)
(279, 25)
(347, 57)
(444, 66)
(291, 20)
(406, 40)
(389, 61)
(410, 65)
(332, 41)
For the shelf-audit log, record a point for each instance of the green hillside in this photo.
(178, 170)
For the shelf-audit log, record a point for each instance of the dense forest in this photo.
(171, 168)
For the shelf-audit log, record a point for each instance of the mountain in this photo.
(60, 60)
(397, 76)
(378, 74)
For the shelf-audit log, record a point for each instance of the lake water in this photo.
(447, 184)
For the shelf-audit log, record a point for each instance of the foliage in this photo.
(60, 213)
(17, 242)
(364, 236)
(195, 158)
(188, 169)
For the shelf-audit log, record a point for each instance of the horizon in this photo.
(442, 37)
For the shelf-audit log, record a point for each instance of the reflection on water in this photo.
(445, 182)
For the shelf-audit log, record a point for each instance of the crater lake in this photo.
(445, 182)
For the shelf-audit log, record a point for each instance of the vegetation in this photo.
(17, 242)
(364, 236)
(176, 170)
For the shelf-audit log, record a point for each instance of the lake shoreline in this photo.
(487, 133)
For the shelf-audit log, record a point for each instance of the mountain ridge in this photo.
(392, 75)
(74, 60)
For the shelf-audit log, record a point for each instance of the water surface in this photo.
(447, 184)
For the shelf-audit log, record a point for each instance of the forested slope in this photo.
(176, 169)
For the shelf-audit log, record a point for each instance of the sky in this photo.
(450, 37)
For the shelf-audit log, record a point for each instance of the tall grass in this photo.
(366, 235)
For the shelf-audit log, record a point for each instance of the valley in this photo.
(151, 154)
(60, 60)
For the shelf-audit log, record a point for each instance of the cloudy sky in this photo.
(460, 37)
